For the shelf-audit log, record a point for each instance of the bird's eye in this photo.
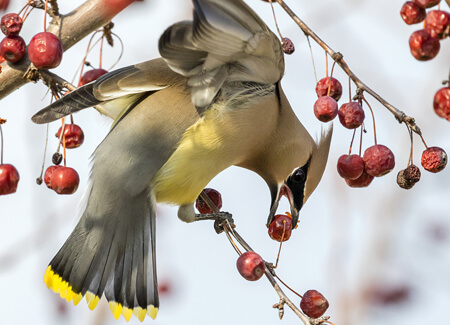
(299, 176)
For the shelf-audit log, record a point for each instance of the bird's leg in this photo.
(186, 213)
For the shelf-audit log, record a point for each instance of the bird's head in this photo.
(303, 180)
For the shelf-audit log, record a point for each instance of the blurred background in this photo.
(379, 254)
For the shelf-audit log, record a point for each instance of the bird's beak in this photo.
(294, 203)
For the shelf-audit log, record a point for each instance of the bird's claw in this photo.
(219, 219)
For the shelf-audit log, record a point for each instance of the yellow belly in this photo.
(223, 137)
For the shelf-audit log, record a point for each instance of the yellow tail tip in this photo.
(127, 312)
(116, 309)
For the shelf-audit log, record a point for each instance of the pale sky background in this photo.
(348, 240)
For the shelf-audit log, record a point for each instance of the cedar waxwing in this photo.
(213, 100)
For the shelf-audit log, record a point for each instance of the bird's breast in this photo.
(223, 137)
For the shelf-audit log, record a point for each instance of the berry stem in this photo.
(410, 160)
(101, 52)
(88, 49)
(45, 153)
(360, 139)
(312, 58)
(349, 89)
(423, 140)
(351, 143)
(236, 248)
(281, 244)
(288, 287)
(45, 16)
(331, 77)
(275, 19)
(373, 119)
(326, 64)
(64, 139)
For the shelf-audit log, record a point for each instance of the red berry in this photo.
(378, 160)
(412, 13)
(2, 59)
(350, 166)
(314, 304)
(11, 24)
(4, 4)
(280, 223)
(325, 108)
(214, 195)
(426, 3)
(48, 175)
(351, 115)
(9, 178)
(434, 159)
(287, 45)
(335, 89)
(251, 266)
(45, 50)
(12, 48)
(437, 23)
(65, 180)
(91, 75)
(423, 45)
(73, 135)
(362, 181)
(441, 103)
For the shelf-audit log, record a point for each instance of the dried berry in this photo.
(314, 304)
(251, 266)
(11, 24)
(412, 13)
(351, 115)
(423, 45)
(335, 88)
(279, 225)
(350, 166)
(441, 103)
(378, 160)
(57, 158)
(12, 48)
(287, 45)
(426, 3)
(437, 23)
(325, 108)
(407, 178)
(434, 159)
(214, 195)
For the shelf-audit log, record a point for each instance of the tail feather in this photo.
(111, 256)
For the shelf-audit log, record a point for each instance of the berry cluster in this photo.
(45, 49)
(251, 265)
(425, 43)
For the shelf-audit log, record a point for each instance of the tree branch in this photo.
(70, 28)
(338, 57)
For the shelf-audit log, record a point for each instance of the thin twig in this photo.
(338, 57)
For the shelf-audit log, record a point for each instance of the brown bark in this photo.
(70, 28)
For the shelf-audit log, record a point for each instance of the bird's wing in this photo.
(113, 92)
(225, 42)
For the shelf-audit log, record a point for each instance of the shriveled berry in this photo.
(48, 175)
(350, 166)
(325, 108)
(73, 135)
(12, 48)
(280, 227)
(65, 180)
(251, 266)
(378, 160)
(412, 13)
(407, 178)
(314, 304)
(412, 172)
(351, 115)
(437, 23)
(441, 103)
(57, 158)
(214, 195)
(45, 50)
(426, 3)
(9, 178)
(11, 24)
(362, 181)
(91, 75)
(287, 45)
(335, 88)
(423, 45)
(434, 159)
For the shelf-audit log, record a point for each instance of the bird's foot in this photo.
(220, 219)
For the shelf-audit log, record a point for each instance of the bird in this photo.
(212, 100)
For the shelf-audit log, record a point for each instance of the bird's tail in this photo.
(110, 255)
